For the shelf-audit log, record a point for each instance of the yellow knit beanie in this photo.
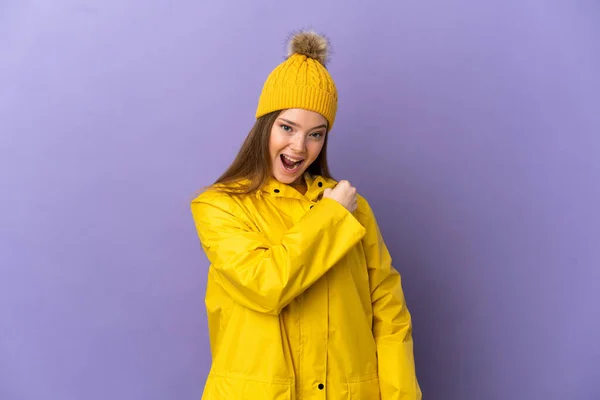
(301, 81)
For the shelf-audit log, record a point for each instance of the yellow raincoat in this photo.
(302, 299)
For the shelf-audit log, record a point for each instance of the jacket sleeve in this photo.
(392, 326)
(266, 276)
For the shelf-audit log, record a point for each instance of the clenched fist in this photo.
(344, 193)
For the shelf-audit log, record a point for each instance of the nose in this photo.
(298, 143)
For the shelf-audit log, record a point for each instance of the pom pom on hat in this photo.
(310, 44)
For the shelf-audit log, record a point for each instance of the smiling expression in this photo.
(296, 140)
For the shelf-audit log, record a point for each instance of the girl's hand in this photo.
(344, 193)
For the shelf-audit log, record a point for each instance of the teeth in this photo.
(291, 159)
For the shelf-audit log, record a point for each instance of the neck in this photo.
(300, 185)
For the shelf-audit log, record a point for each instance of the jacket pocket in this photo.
(364, 389)
(219, 387)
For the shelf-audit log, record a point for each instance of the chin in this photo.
(286, 179)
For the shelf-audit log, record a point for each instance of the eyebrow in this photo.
(298, 126)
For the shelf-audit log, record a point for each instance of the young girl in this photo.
(302, 299)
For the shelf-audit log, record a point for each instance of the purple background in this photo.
(472, 127)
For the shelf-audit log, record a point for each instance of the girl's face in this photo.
(296, 140)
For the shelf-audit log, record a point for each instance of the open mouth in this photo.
(291, 164)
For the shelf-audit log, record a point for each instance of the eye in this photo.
(317, 135)
(286, 128)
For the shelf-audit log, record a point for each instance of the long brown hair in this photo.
(253, 162)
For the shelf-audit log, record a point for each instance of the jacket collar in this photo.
(316, 185)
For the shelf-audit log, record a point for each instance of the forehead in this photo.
(303, 118)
